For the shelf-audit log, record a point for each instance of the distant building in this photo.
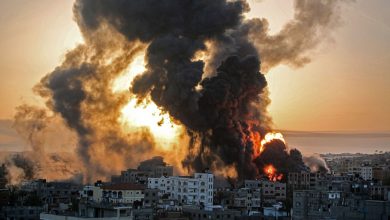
(91, 211)
(196, 190)
(153, 168)
(303, 180)
(195, 213)
(378, 192)
(366, 172)
(314, 204)
(21, 212)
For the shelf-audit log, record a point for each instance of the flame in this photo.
(272, 174)
(269, 170)
(259, 146)
(145, 115)
(148, 115)
(269, 137)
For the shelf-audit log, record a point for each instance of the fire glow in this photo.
(260, 145)
(269, 170)
(145, 115)
(272, 174)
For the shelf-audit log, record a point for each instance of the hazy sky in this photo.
(346, 87)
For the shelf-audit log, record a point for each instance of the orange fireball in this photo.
(272, 174)
(259, 144)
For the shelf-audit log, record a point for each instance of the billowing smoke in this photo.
(202, 67)
(313, 23)
(16, 168)
(277, 154)
(316, 163)
(35, 125)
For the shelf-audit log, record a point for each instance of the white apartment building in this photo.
(366, 172)
(195, 190)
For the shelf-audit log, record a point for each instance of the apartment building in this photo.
(194, 190)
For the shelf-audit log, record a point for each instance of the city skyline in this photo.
(195, 109)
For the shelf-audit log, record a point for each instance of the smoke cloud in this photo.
(316, 163)
(202, 68)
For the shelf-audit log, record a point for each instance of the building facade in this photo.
(195, 190)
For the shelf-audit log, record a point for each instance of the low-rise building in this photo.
(126, 193)
(246, 199)
(21, 212)
(196, 213)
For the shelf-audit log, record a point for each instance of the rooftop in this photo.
(124, 186)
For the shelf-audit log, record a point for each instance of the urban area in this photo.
(354, 186)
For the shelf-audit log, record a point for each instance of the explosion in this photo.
(269, 170)
(180, 79)
(272, 174)
(145, 115)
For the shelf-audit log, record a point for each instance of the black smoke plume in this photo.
(203, 68)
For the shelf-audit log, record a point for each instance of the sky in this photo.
(345, 88)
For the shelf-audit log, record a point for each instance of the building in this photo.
(303, 180)
(195, 213)
(366, 172)
(378, 192)
(151, 197)
(314, 204)
(157, 167)
(195, 190)
(21, 212)
(92, 193)
(126, 193)
(153, 168)
(57, 196)
(171, 216)
(92, 212)
(273, 191)
(247, 199)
